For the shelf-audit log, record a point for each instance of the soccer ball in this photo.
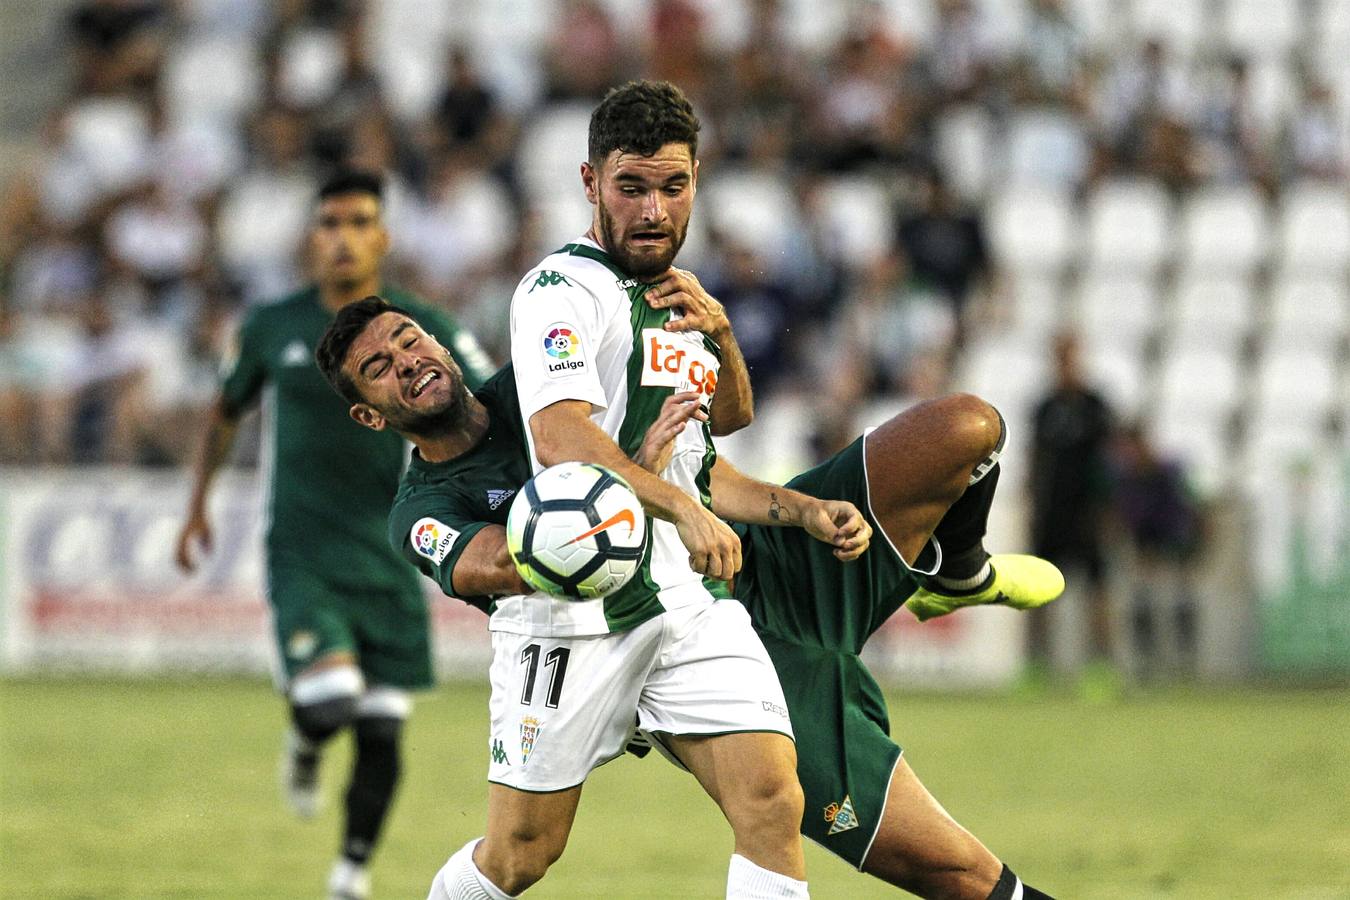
(576, 530)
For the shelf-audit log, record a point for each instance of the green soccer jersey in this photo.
(329, 481)
(441, 506)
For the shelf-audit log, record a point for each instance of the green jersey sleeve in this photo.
(245, 371)
(463, 346)
(431, 529)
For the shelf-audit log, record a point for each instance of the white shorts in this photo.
(562, 706)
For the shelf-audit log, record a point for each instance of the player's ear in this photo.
(590, 180)
(693, 180)
(367, 415)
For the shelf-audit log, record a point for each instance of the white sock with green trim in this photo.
(459, 879)
(747, 881)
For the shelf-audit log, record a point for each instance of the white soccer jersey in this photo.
(581, 330)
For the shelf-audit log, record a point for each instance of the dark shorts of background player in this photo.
(814, 614)
(387, 629)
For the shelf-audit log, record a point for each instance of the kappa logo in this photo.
(295, 354)
(499, 753)
(498, 497)
(549, 278)
(432, 538)
(841, 816)
(529, 734)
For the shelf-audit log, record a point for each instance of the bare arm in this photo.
(485, 569)
(564, 431)
(733, 404)
(739, 498)
(217, 440)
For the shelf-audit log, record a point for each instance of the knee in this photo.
(974, 426)
(320, 720)
(524, 858)
(769, 803)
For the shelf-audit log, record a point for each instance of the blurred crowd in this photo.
(845, 159)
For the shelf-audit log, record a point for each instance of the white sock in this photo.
(747, 881)
(967, 584)
(459, 879)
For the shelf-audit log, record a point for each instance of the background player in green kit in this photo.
(924, 482)
(350, 618)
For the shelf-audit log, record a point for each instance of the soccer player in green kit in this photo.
(350, 618)
(925, 480)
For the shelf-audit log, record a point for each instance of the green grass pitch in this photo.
(167, 789)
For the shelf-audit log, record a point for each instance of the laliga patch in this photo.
(432, 539)
(563, 353)
(841, 816)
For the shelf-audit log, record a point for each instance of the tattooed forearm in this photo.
(775, 508)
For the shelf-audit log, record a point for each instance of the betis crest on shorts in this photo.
(841, 816)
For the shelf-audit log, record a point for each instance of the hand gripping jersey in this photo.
(581, 330)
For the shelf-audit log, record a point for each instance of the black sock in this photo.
(1007, 884)
(961, 531)
(317, 722)
(375, 773)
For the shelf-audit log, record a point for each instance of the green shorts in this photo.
(814, 613)
(387, 629)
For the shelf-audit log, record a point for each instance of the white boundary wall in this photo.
(88, 583)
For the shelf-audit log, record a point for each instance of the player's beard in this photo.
(637, 267)
(437, 421)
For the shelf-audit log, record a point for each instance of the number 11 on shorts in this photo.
(556, 663)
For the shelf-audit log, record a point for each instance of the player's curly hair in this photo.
(642, 117)
(337, 340)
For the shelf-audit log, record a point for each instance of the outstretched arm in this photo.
(733, 404)
(739, 498)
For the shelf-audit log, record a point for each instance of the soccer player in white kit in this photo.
(602, 332)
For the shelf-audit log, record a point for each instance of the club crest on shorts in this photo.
(841, 816)
(529, 733)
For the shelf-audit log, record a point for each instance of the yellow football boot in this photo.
(1020, 581)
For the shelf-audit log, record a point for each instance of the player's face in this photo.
(348, 240)
(409, 382)
(642, 206)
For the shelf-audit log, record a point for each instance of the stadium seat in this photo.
(1214, 308)
(219, 80)
(1198, 382)
(1260, 27)
(552, 148)
(1033, 229)
(1203, 447)
(1102, 22)
(1224, 229)
(964, 137)
(855, 214)
(110, 138)
(751, 202)
(1129, 227)
(1294, 385)
(1308, 310)
(1315, 228)
(1120, 307)
(1117, 369)
(1034, 305)
(1048, 147)
(1181, 25)
(1006, 370)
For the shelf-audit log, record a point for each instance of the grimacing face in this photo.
(348, 239)
(642, 206)
(406, 379)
